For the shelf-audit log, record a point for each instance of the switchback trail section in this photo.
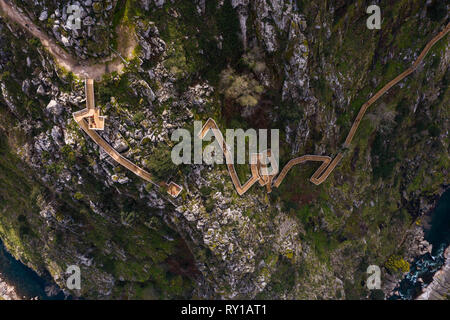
(328, 165)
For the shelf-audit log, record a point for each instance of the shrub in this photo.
(127, 218)
(160, 163)
(436, 10)
(68, 154)
(395, 263)
(149, 187)
(434, 130)
(243, 89)
(78, 196)
(138, 117)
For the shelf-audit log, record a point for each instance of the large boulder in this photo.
(54, 108)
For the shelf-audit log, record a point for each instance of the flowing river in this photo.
(437, 233)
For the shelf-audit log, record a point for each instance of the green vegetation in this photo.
(160, 164)
(117, 87)
(78, 196)
(138, 117)
(436, 10)
(283, 279)
(16, 224)
(27, 234)
(396, 263)
(244, 89)
(356, 218)
(68, 154)
(192, 39)
(386, 157)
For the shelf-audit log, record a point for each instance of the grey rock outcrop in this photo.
(439, 288)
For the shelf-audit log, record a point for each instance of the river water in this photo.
(437, 233)
(27, 283)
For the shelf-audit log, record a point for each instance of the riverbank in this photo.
(438, 234)
(7, 292)
(429, 273)
(18, 282)
(439, 288)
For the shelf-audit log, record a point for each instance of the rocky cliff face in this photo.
(304, 68)
(96, 35)
(7, 292)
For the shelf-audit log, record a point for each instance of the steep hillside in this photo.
(304, 67)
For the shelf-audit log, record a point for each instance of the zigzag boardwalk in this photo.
(327, 166)
(258, 175)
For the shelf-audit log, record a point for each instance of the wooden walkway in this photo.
(258, 173)
(328, 165)
(80, 117)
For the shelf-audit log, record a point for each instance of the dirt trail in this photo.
(88, 72)
(64, 59)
